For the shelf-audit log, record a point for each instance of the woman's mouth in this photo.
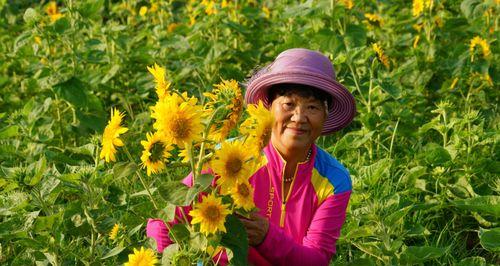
(296, 131)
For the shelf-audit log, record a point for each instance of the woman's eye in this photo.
(313, 107)
(288, 105)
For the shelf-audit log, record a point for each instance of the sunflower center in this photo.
(212, 213)
(180, 128)
(234, 165)
(266, 136)
(243, 190)
(156, 151)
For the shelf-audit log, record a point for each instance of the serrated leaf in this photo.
(168, 253)
(30, 15)
(472, 261)
(355, 35)
(236, 240)
(111, 73)
(489, 239)
(204, 180)
(39, 169)
(124, 170)
(134, 230)
(174, 192)
(179, 233)
(482, 204)
(419, 254)
(9, 131)
(73, 91)
(115, 251)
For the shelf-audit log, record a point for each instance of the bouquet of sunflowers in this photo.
(196, 135)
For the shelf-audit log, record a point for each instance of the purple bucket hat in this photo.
(306, 67)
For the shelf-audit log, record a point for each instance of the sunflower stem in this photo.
(141, 179)
(205, 134)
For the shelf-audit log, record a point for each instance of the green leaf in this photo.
(355, 35)
(236, 240)
(395, 218)
(8, 132)
(48, 185)
(413, 174)
(22, 40)
(468, 7)
(73, 91)
(168, 253)
(61, 25)
(124, 170)
(370, 248)
(362, 262)
(393, 90)
(174, 192)
(372, 174)
(39, 169)
(71, 178)
(90, 8)
(115, 251)
(111, 73)
(435, 154)
(91, 120)
(482, 204)
(179, 233)
(472, 261)
(134, 230)
(168, 212)
(414, 254)
(45, 223)
(361, 231)
(204, 180)
(490, 239)
(30, 15)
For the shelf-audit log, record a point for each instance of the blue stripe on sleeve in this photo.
(329, 167)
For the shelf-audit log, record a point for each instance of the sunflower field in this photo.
(81, 83)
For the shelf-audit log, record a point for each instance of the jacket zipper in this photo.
(283, 198)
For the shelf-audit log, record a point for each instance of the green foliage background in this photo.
(423, 150)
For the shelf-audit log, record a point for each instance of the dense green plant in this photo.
(422, 151)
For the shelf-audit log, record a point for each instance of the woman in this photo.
(302, 192)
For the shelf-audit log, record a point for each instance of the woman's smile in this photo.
(296, 130)
(298, 122)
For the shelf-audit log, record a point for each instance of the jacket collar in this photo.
(276, 165)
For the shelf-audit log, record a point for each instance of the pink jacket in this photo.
(305, 224)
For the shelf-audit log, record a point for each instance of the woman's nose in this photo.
(299, 114)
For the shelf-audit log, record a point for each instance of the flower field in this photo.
(106, 105)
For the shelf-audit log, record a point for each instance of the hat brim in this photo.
(340, 114)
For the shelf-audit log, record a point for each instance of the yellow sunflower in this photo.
(185, 154)
(258, 126)
(52, 11)
(380, 54)
(227, 94)
(233, 162)
(418, 6)
(374, 19)
(155, 152)
(142, 257)
(211, 214)
(347, 3)
(178, 121)
(111, 135)
(242, 194)
(114, 232)
(478, 41)
(162, 85)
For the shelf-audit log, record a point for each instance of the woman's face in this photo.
(298, 121)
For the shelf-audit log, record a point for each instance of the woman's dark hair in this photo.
(306, 91)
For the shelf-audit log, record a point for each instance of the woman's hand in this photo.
(257, 227)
